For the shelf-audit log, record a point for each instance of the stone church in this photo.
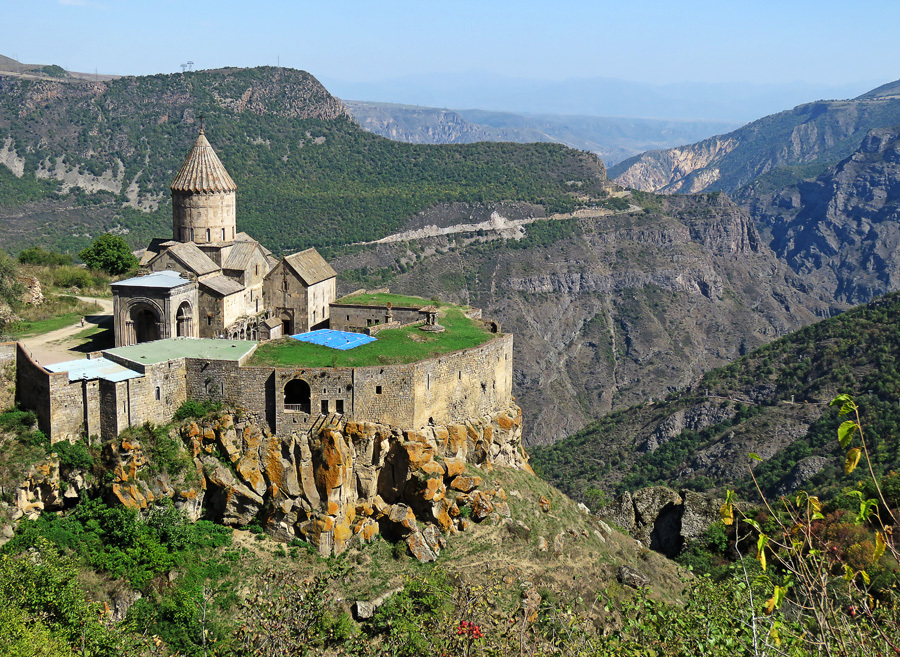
(210, 281)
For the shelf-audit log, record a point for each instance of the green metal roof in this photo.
(160, 351)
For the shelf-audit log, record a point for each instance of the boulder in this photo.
(631, 577)
(420, 548)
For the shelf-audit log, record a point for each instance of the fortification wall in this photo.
(446, 389)
(467, 383)
(33, 388)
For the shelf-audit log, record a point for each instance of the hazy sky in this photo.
(813, 41)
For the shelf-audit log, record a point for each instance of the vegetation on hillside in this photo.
(855, 352)
(302, 180)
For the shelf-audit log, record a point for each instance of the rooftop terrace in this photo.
(393, 346)
(159, 351)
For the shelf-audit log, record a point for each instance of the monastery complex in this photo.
(189, 325)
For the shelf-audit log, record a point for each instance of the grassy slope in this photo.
(856, 352)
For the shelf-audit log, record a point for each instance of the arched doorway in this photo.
(184, 320)
(287, 323)
(296, 396)
(145, 320)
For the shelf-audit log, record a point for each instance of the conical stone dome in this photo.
(203, 198)
(202, 171)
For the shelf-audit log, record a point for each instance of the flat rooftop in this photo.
(165, 280)
(159, 351)
(406, 344)
(88, 369)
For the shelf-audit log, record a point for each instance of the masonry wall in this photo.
(194, 213)
(356, 317)
(33, 387)
(331, 388)
(153, 397)
(211, 318)
(285, 295)
(318, 298)
(164, 302)
(464, 384)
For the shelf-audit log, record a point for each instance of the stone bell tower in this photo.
(203, 198)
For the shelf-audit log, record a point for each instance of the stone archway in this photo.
(297, 396)
(145, 321)
(184, 321)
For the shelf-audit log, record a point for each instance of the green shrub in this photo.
(196, 409)
(73, 277)
(73, 455)
(35, 255)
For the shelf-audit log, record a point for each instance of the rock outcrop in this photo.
(822, 131)
(347, 481)
(661, 518)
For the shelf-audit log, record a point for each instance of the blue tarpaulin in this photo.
(342, 340)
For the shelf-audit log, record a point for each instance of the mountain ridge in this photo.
(817, 133)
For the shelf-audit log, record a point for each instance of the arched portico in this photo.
(144, 323)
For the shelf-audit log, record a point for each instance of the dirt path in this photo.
(51, 347)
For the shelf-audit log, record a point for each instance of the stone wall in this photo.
(442, 390)
(318, 298)
(467, 383)
(357, 317)
(65, 410)
(7, 374)
(211, 318)
(285, 294)
(164, 302)
(446, 389)
(198, 217)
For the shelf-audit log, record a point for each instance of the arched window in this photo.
(184, 321)
(157, 393)
(208, 235)
(297, 396)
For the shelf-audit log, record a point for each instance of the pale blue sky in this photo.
(821, 41)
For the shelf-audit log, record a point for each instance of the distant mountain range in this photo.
(612, 138)
(731, 102)
(768, 153)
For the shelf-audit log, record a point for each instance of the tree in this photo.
(109, 253)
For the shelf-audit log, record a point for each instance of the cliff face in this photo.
(820, 132)
(839, 231)
(343, 482)
(608, 309)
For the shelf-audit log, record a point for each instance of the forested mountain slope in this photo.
(87, 157)
(772, 402)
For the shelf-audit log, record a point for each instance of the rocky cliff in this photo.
(343, 482)
(608, 308)
(839, 231)
(778, 146)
